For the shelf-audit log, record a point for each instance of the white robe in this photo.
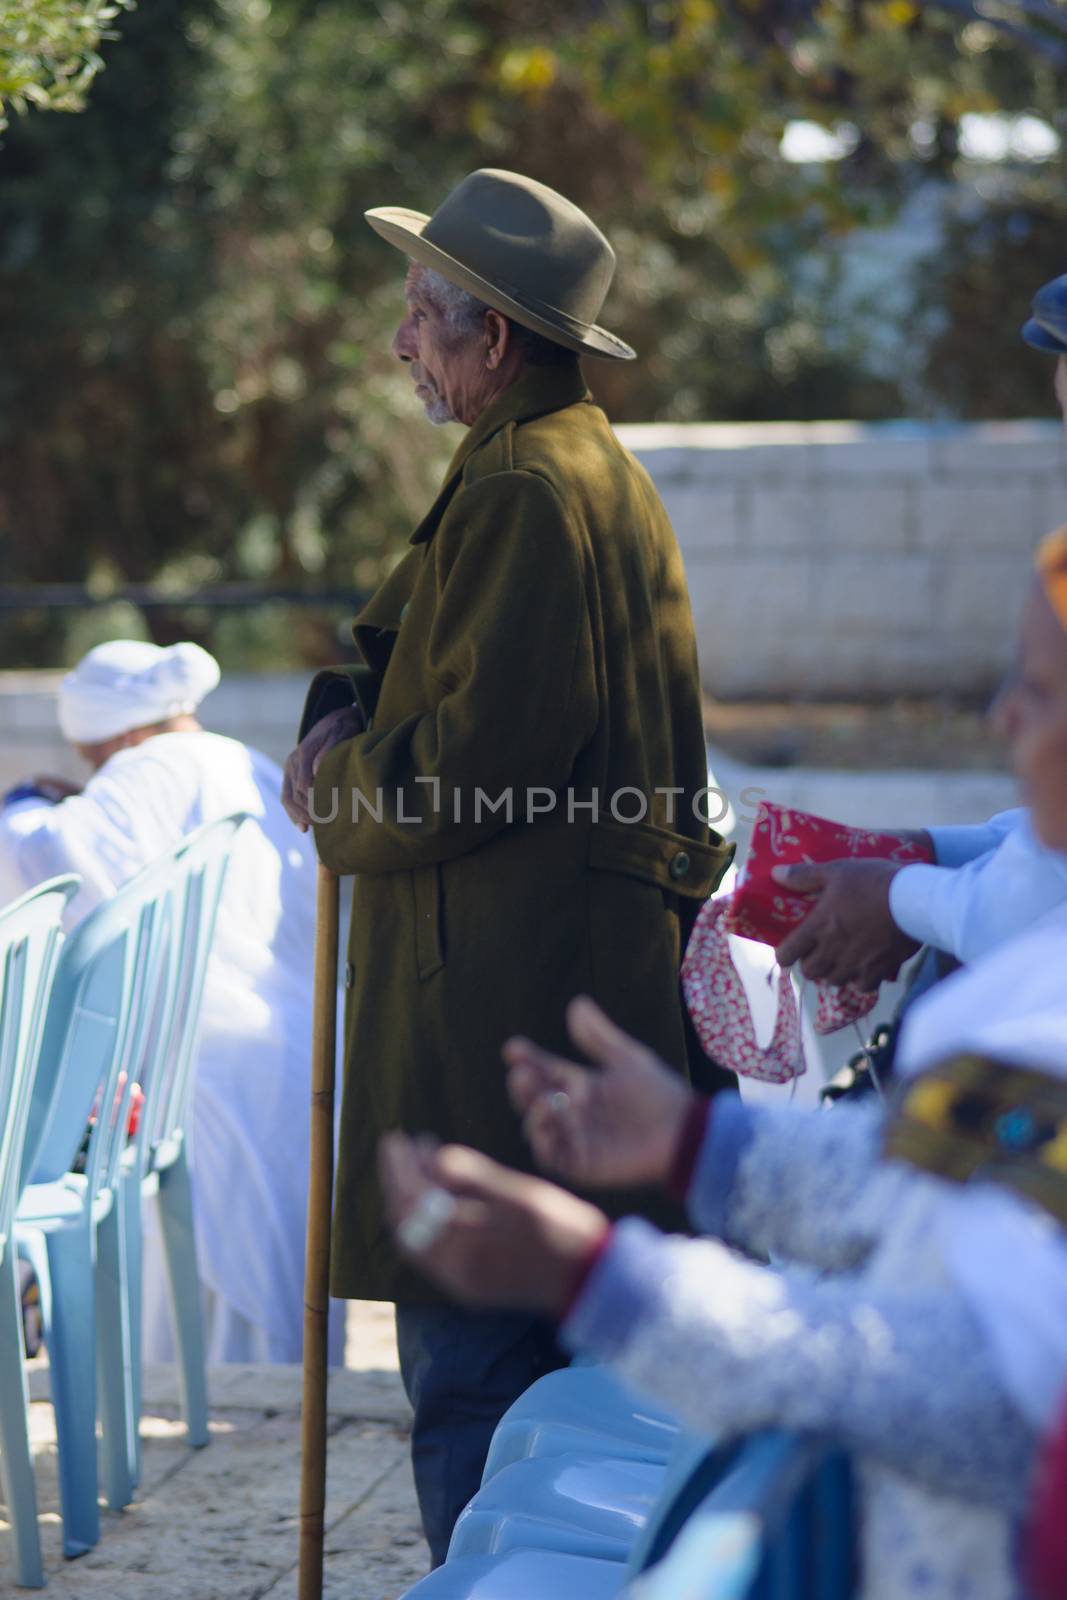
(249, 1119)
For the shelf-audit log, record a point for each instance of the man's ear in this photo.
(497, 339)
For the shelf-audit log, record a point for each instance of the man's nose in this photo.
(405, 343)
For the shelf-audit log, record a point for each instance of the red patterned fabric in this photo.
(717, 1002)
(761, 909)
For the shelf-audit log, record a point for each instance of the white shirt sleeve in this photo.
(970, 909)
(17, 820)
(96, 834)
(953, 846)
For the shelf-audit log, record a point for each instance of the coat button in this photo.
(350, 974)
(679, 865)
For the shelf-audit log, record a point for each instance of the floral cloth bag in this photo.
(761, 909)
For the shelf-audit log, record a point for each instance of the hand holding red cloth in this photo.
(761, 909)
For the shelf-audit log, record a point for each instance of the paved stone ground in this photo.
(222, 1522)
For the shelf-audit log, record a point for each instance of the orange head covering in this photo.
(1051, 562)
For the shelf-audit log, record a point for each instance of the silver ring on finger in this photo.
(426, 1221)
(559, 1101)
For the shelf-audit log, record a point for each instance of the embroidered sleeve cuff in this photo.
(584, 1270)
(693, 1133)
(625, 1286)
(729, 1132)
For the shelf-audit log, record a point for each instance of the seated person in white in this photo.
(128, 709)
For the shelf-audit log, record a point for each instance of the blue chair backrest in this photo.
(772, 1521)
(117, 1009)
(30, 939)
(695, 1464)
(167, 1074)
(112, 969)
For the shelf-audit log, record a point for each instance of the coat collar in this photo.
(539, 391)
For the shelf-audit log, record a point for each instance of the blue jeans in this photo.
(462, 1369)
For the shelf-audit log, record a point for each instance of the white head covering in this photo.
(1008, 1258)
(125, 684)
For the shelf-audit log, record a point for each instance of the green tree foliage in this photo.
(50, 51)
(197, 383)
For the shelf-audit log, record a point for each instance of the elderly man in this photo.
(990, 882)
(514, 772)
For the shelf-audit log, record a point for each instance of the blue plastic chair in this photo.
(584, 1410)
(766, 1518)
(587, 1505)
(156, 1164)
(578, 1504)
(124, 977)
(575, 1465)
(533, 1572)
(778, 1525)
(30, 938)
(70, 1225)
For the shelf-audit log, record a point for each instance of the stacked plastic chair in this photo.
(553, 1558)
(30, 939)
(577, 1465)
(778, 1525)
(581, 1408)
(123, 1010)
(156, 1163)
(589, 1495)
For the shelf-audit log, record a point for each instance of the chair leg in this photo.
(113, 1367)
(132, 1244)
(16, 1462)
(179, 1248)
(70, 1333)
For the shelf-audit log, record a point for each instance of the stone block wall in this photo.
(824, 560)
(833, 559)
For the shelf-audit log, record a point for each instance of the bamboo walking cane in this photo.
(317, 1269)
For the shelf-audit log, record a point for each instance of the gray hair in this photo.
(462, 311)
(465, 315)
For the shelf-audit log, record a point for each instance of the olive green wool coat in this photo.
(532, 650)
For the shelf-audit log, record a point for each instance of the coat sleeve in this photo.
(510, 648)
(336, 689)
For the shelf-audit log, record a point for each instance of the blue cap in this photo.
(1047, 327)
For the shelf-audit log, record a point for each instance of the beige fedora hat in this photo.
(522, 249)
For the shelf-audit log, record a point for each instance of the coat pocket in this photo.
(429, 914)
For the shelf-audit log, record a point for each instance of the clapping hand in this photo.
(485, 1234)
(615, 1124)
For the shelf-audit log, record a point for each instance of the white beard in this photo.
(438, 410)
